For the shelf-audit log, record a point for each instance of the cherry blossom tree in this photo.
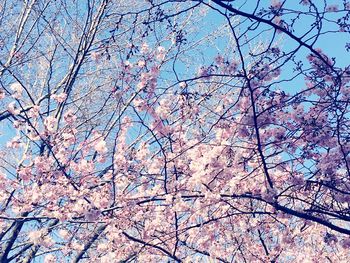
(174, 131)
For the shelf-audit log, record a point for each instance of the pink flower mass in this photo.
(174, 131)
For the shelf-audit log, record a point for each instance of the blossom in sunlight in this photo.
(13, 109)
(50, 123)
(59, 97)
(17, 89)
(101, 147)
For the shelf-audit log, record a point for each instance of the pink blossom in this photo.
(141, 63)
(35, 236)
(160, 53)
(203, 72)
(59, 97)
(141, 85)
(50, 259)
(69, 117)
(347, 6)
(332, 8)
(50, 123)
(92, 214)
(25, 173)
(2, 94)
(68, 139)
(219, 60)
(276, 4)
(128, 64)
(64, 233)
(13, 109)
(15, 143)
(182, 84)
(139, 104)
(345, 243)
(101, 147)
(144, 48)
(95, 56)
(34, 112)
(17, 89)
